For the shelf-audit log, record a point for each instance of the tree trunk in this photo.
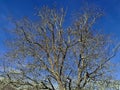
(61, 87)
(60, 84)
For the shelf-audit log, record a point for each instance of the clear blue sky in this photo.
(110, 23)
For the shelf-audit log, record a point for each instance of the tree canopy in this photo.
(46, 54)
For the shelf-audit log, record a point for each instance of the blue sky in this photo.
(110, 23)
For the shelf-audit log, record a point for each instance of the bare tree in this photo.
(46, 54)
